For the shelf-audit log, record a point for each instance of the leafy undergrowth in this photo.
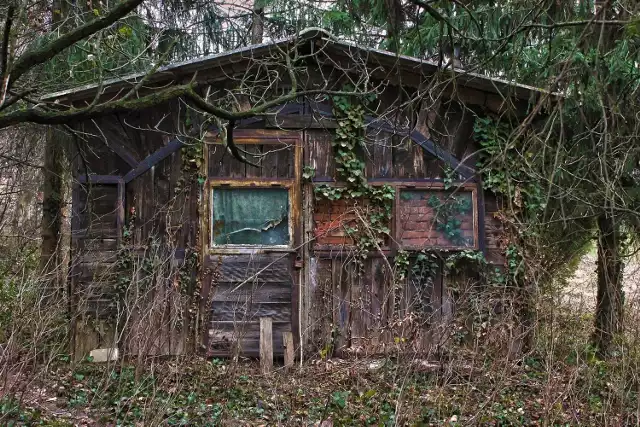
(578, 391)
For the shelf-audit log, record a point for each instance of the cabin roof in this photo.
(405, 63)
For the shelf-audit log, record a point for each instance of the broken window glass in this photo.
(250, 216)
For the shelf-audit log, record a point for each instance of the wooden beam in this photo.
(289, 354)
(442, 154)
(153, 159)
(123, 153)
(266, 345)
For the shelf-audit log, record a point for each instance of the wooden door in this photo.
(252, 239)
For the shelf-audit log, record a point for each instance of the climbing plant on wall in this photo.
(449, 212)
(348, 139)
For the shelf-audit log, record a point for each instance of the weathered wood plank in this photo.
(247, 311)
(269, 161)
(381, 164)
(307, 121)
(266, 345)
(320, 154)
(225, 338)
(215, 162)
(379, 300)
(284, 159)
(403, 159)
(251, 291)
(289, 349)
(265, 268)
(254, 154)
(357, 310)
(153, 160)
(114, 136)
(321, 304)
(342, 278)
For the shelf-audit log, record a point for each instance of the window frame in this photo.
(439, 186)
(266, 184)
(292, 184)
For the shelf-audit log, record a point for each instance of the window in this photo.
(250, 216)
(437, 218)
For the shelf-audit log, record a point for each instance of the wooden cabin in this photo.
(179, 247)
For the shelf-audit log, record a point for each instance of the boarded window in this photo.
(331, 220)
(250, 216)
(437, 218)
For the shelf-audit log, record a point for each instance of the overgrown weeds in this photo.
(477, 376)
(560, 382)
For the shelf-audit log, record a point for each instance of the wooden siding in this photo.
(494, 229)
(342, 309)
(386, 156)
(161, 223)
(248, 287)
(165, 230)
(363, 312)
(274, 160)
(93, 271)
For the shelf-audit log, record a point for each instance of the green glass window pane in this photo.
(250, 216)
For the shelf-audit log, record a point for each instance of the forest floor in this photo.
(336, 393)
(560, 383)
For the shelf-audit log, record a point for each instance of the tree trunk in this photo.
(395, 18)
(52, 257)
(257, 24)
(609, 302)
(52, 210)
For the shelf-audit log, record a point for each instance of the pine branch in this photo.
(435, 14)
(441, 18)
(573, 24)
(38, 56)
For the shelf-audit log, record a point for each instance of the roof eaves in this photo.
(475, 80)
(171, 71)
(184, 67)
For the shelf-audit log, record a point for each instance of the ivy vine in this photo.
(503, 169)
(348, 139)
(448, 213)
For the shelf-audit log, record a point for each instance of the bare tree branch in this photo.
(45, 117)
